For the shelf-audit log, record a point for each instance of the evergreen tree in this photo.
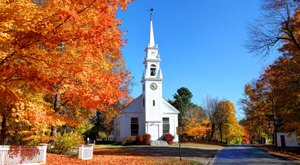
(182, 102)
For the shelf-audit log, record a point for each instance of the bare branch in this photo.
(273, 27)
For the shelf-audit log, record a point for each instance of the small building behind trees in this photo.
(287, 139)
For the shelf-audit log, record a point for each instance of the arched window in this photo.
(153, 70)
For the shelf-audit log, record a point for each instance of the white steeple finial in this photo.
(151, 39)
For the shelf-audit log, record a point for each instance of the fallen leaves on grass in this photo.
(282, 153)
(287, 153)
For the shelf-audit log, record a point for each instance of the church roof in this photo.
(170, 107)
(136, 106)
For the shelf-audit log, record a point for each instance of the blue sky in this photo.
(200, 43)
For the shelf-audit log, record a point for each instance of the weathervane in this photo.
(151, 11)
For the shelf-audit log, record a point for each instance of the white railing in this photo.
(10, 155)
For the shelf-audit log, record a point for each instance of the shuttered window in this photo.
(134, 126)
(166, 125)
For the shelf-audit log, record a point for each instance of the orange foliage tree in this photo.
(197, 123)
(66, 52)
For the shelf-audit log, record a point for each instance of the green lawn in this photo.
(200, 145)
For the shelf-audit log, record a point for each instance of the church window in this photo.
(143, 102)
(153, 102)
(153, 70)
(134, 126)
(166, 125)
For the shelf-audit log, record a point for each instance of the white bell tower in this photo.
(152, 87)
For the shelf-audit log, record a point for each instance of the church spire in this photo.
(151, 38)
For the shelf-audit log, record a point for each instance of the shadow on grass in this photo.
(158, 151)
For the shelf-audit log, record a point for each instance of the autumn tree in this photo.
(69, 50)
(197, 122)
(255, 108)
(275, 27)
(273, 100)
(223, 115)
(211, 106)
(228, 125)
(182, 102)
(223, 122)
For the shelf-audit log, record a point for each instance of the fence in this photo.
(10, 155)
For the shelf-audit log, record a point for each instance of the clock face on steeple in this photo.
(153, 86)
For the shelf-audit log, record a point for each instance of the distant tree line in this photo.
(214, 121)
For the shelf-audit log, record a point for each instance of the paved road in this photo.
(247, 155)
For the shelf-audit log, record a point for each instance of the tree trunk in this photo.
(53, 131)
(274, 118)
(56, 102)
(212, 131)
(56, 105)
(220, 130)
(3, 129)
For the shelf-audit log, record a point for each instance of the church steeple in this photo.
(151, 37)
(152, 59)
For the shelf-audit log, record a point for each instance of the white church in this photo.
(149, 113)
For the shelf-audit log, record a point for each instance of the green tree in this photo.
(182, 102)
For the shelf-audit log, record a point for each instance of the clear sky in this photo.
(200, 43)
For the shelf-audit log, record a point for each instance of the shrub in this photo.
(146, 139)
(129, 140)
(66, 143)
(143, 139)
(168, 137)
(37, 139)
(139, 139)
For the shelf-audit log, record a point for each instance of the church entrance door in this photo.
(153, 130)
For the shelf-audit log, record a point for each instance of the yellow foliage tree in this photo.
(228, 125)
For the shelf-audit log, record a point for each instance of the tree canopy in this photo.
(275, 27)
(59, 59)
(271, 103)
(182, 102)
